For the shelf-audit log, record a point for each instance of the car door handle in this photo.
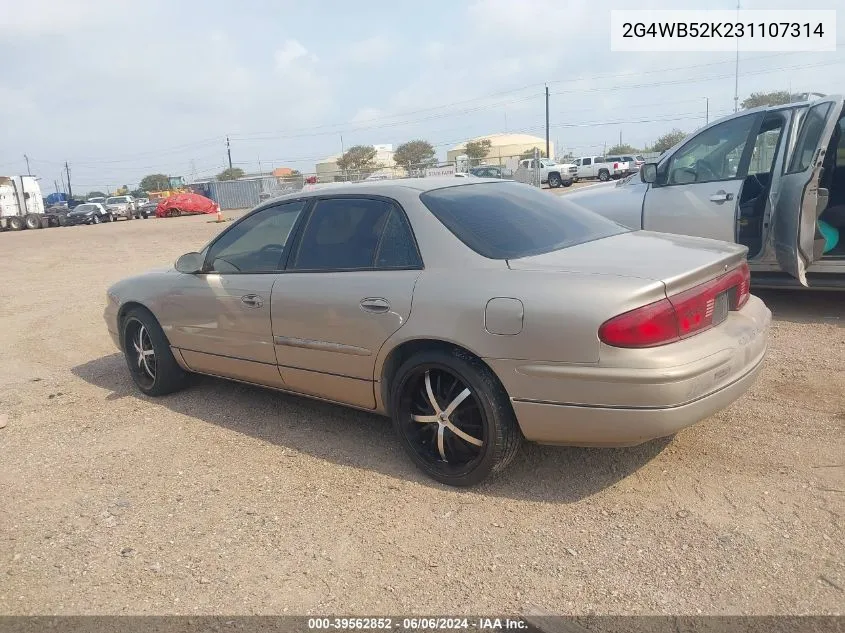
(721, 196)
(375, 304)
(252, 301)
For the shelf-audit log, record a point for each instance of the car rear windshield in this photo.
(116, 200)
(510, 220)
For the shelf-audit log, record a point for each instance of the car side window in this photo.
(599, 160)
(342, 234)
(712, 155)
(257, 243)
(587, 161)
(397, 248)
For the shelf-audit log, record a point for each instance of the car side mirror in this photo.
(648, 172)
(189, 263)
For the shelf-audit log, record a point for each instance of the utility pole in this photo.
(259, 165)
(56, 185)
(547, 122)
(69, 190)
(26, 158)
(620, 137)
(736, 70)
(229, 152)
(706, 110)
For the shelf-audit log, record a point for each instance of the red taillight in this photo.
(679, 316)
(615, 165)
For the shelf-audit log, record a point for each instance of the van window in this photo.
(811, 132)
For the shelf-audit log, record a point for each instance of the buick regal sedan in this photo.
(474, 313)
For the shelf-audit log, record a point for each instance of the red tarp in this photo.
(185, 204)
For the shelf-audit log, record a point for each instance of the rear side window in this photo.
(809, 137)
(510, 220)
(356, 234)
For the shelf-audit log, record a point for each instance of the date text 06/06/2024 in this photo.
(416, 624)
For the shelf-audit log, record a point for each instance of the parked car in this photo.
(626, 165)
(88, 213)
(771, 179)
(552, 172)
(97, 200)
(122, 207)
(492, 171)
(148, 209)
(429, 300)
(185, 204)
(599, 167)
(140, 202)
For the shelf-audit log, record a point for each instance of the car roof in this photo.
(389, 188)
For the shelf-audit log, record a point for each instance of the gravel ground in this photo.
(235, 500)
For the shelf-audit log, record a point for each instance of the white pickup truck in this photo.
(601, 168)
(551, 172)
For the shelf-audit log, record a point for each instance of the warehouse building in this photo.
(503, 147)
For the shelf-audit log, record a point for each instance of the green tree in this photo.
(233, 173)
(155, 182)
(138, 193)
(529, 153)
(122, 190)
(624, 148)
(417, 153)
(670, 139)
(95, 194)
(777, 97)
(476, 150)
(359, 159)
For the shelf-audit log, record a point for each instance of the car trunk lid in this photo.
(678, 261)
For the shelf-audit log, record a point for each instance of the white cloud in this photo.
(366, 115)
(292, 52)
(373, 50)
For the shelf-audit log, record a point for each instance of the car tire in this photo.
(16, 223)
(148, 355)
(95, 219)
(554, 181)
(604, 175)
(568, 183)
(110, 217)
(488, 435)
(32, 221)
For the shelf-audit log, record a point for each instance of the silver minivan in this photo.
(771, 178)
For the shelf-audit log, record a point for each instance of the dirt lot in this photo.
(231, 499)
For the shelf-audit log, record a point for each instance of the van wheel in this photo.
(16, 223)
(554, 181)
(604, 175)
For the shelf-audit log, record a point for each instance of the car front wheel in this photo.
(147, 351)
(554, 181)
(453, 417)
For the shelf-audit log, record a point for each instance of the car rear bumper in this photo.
(579, 425)
(633, 395)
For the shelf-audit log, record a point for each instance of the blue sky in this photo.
(123, 88)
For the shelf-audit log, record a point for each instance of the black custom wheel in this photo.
(453, 417)
(554, 181)
(147, 351)
(604, 175)
(95, 219)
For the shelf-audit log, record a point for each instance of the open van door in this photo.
(796, 238)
